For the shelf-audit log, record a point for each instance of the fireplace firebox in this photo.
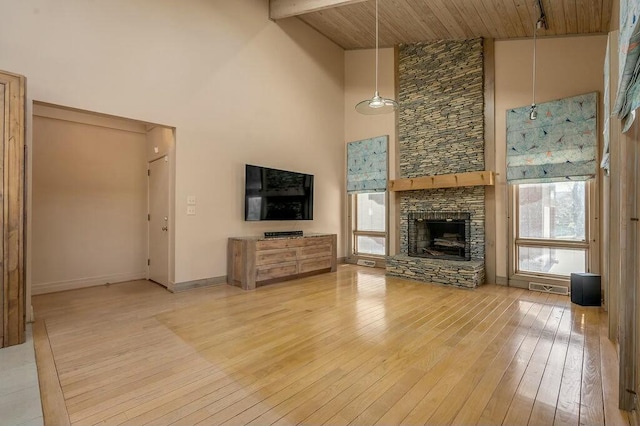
(440, 235)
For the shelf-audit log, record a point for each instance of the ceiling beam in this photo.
(279, 9)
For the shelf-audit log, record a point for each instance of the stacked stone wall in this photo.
(441, 131)
(441, 97)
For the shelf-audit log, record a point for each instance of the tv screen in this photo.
(272, 194)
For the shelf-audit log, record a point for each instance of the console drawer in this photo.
(278, 270)
(315, 264)
(313, 252)
(316, 241)
(279, 243)
(267, 257)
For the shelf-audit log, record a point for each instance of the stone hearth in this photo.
(467, 274)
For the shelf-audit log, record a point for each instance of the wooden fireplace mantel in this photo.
(454, 180)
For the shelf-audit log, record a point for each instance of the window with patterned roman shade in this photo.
(561, 145)
(628, 95)
(367, 165)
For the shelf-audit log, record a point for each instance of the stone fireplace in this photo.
(444, 203)
(441, 131)
(440, 235)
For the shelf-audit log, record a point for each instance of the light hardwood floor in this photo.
(347, 347)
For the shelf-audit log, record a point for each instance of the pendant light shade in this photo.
(377, 104)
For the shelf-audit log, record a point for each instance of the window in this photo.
(551, 228)
(370, 224)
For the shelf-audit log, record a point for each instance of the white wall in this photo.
(237, 87)
(566, 66)
(89, 200)
(360, 85)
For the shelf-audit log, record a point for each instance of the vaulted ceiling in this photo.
(351, 23)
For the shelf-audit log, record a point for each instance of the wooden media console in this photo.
(254, 261)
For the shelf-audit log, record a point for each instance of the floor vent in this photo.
(363, 262)
(547, 288)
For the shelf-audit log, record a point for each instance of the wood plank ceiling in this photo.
(351, 24)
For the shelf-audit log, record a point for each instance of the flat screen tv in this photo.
(272, 194)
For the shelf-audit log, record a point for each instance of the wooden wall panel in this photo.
(490, 159)
(613, 290)
(636, 273)
(12, 218)
(623, 280)
(629, 280)
(3, 308)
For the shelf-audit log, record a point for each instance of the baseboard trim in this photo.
(341, 260)
(519, 284)
(380, 262)
(523, 281)
(56, 286)
(205, 282)
(502, 280)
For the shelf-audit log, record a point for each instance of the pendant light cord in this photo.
(535, 31)
(376, 47)
(377, 104)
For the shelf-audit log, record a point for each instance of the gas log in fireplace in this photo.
(440, 235)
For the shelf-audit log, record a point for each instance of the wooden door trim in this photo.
(12, 227)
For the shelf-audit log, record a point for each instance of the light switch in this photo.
(191, 200)
(191, 210)
(156, 150)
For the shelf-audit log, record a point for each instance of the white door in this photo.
(159, 221)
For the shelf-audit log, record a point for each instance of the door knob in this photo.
(164, 228)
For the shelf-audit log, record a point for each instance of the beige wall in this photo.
(89, 200)
(360, 85)
(237, 87)
(160, 142)
(566, 66)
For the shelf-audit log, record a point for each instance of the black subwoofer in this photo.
(586, 289)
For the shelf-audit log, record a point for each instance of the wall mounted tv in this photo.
(272, 194)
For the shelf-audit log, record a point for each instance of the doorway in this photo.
(90, 200)
(158, 262)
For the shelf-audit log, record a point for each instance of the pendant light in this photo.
(377, 104)
(533, 114)
(540, 23)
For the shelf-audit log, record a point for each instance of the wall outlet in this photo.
(191, 210)
(191, 200)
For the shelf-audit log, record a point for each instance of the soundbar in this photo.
(280, 234)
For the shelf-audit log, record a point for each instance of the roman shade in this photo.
(628, 95)
(560, 145)
(367, 165)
